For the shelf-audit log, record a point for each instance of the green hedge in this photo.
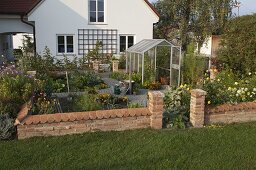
(238, 50)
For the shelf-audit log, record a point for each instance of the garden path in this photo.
(140, 99)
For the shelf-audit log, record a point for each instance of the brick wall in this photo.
(197, 103)
(226, 113)
(102, 120)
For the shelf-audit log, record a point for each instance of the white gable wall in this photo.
(54, 17)
(206, 49)
(13, 24)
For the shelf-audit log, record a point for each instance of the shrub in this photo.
(43, 105)
(238, 45)
(7, 128)
(118, 76)
(86, 102)
(152, 85)
(122, 62)
(42, 64)
(134, 105)
(79, 81)
(42, 101)
(111, 102)
(177, 104)
(136, 77)
(229, 88)
(70, 64)
(15, 89)
(194, 67)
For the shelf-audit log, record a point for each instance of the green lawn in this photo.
(230, 147)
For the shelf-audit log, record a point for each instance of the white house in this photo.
(72, 27)
(211, 46)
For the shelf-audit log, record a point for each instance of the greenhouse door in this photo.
(175, 66)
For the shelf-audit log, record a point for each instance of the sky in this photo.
(247, 7)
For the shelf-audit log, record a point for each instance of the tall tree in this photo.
(183, 18)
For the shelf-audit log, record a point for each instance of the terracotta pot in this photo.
(165, 80)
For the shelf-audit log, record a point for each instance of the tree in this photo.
(27, 45)
(239, 45)
(192, 19)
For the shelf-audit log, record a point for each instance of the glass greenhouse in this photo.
(156, 60)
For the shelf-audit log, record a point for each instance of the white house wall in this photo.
(54, 17)
(206, 49)
(18, 40)
(13, 25)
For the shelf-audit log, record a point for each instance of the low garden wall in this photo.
(226, 113)
(102, 120)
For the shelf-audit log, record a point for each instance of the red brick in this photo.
(64, 117)
(29, 120)
(50, 118)
(23, 113)
(92, 115)
(99, 114)
(106, 115)
(72, 116)
(57, 117)
(121, 112)
(80, 115)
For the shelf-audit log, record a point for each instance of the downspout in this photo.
(34, 30)
(154, 24)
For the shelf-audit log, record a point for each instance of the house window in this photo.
(97, 11)
(65, 44)
(126, 41)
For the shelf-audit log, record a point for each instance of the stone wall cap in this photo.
(225, 108)
(198, 92)
(156, 93)
(91, 115)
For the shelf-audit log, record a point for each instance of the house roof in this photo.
(17, 7)
(152, 7)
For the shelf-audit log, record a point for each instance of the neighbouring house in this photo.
(211, 46)
(72, 27)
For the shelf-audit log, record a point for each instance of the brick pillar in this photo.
(156, 107)
(197, 105)
(213, 73)
(96, 65)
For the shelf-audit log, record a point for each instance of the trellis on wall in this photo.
(87, 39)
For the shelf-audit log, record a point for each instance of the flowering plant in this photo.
(15, 89)
(176, 103)
(229, 88)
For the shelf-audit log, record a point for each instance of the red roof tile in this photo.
(231, 107)
(77, 116)
(17, 7)
(24, 6)
(152, 7)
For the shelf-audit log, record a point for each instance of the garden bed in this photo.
(85, 121)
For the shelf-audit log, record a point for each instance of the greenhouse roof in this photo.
(147, 44)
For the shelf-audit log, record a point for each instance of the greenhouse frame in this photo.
(147, 50)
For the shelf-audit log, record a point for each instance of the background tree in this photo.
(238, 50)
(191, 19)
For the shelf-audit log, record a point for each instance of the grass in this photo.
(229, 147)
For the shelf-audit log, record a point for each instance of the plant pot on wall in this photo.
(95, 65)
(165, 80)
(213, 73)
(115, 64)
